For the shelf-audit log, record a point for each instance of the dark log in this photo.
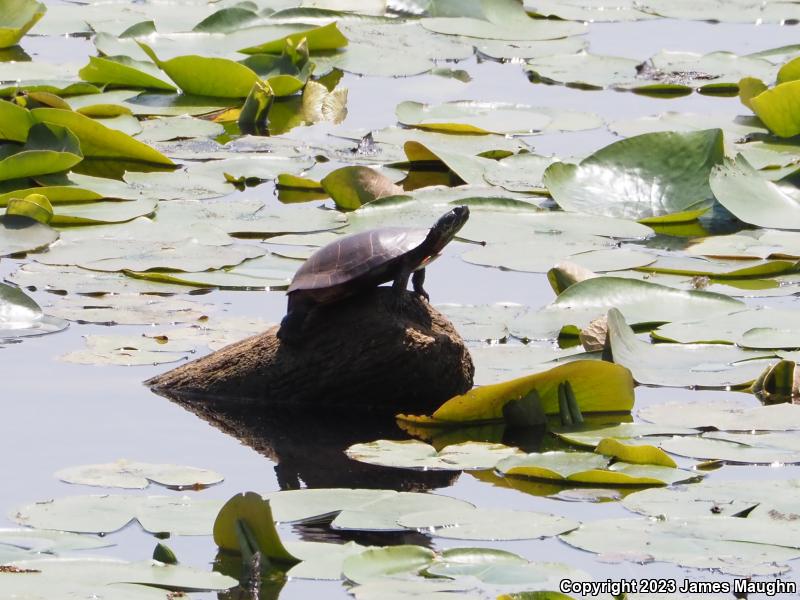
(380, 352)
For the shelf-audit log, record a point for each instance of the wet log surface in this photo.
(379, 352)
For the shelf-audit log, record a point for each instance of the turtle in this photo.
(365, 260)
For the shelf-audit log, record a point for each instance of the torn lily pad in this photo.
(413, 454)
(139, 475)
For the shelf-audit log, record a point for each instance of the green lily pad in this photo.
(413, 454)
(777, 108)
(128, 309)
(634, 453)
(48, 149)
(682, 365)
(350, 187)
(326, 37)
(588, 468)
(519, 172)
(759, 243)
(486, 403)
(18, 16)
(114, 579)
(650, 175)
(310, 505)
(721, 11)
(487, 524)
(108, 211)
(724, 415)
(162, 129)
(735, 183)
(22, 544)
(320, 560)
(500, 362)
(590, 10)
(510, 24)
(383, 513)
(732, 328)
(737, 546)
(481, 323)
(640, 302)
(492, 117)
(508, 50)
(735, 128)
(136, 475)
(126, 72)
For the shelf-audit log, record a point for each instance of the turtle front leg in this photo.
(417, 279)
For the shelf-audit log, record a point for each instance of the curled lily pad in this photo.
(125, 71)
(738, 546)
(136, 475)
(18, 16)
(487, 524)
(487, 403)
(413, 454)
(777, 108)
(588, 468)
(735, 183)
(491, 117)
(21, 316)
(677, 365)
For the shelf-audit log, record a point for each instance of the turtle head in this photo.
(447, 227)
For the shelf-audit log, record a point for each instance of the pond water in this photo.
(57, 414)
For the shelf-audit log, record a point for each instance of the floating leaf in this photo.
(638, 432)
(48, 149)
(738, 546)
(760, 449)
(777, 108)
(18, 16)
(98, 141)
(136, 475)
(377, 563)
(491, 117)
(650, 175)
(129, 309)
(22, 234)
(641, 302)
(350, 187)
(247, 519)
(124, 71)
(21, 316)
(487, 524)
(727, 415)
(735, 184)
(383, 513)
(326, 37)
(413, 454)
(682, 365)
(638, 454)
(588, 468)
(486, 403)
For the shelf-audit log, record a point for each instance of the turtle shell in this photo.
(372, 256)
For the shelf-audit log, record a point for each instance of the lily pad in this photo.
(737, 546)
(180, 515)
(682, 365)
(20, 234)
(21, 316)
(726, 415)
(638, 432)
(129, 309)
(733, 327)
(650, 175)
(18, 16)
(383, 513)
(777, 108)
(640, 302)
(48, 149)
(126, 72)
(136, 475)
(487, 524)
(588, 468)
(709, 447)
(492, 117)
(735, 183)
(413, 454)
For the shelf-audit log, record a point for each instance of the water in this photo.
(57, 414)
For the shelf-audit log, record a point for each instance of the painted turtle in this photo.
(365, 260)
